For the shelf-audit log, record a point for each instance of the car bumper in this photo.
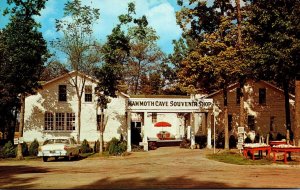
(54, 153)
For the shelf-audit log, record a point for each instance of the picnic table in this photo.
(286, 149)
(256, 147)
(273, 143)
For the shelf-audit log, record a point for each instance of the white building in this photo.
(53, 111)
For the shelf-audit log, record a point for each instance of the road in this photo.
(166, 167)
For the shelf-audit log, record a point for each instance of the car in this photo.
(59, 147)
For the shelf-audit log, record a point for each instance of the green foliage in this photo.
(8, 150)
(33, 148)
(96, 146)
(85, 147)
(116, 147)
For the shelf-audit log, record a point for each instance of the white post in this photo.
(192, 130)
(128, 131)
(145, 141)
(208, 118)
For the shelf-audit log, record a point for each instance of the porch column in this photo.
(145, 135)
(128, 131)
(208, 122)
(193, 130)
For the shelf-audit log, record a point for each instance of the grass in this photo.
(237, 158)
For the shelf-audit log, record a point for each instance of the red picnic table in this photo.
(253, 149)
(272, 143)
(285, 150)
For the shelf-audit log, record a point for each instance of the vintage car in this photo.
(59, 147)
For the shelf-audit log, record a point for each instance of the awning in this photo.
(162, 124)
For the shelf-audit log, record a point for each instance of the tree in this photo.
(25, 52)
(78, 45)
(273, 30)
(52, 70)
(212, 60)
(144, 55)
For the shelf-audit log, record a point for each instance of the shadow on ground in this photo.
(152, 183)
(9, 179)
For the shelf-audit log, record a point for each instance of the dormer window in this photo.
(62, 93)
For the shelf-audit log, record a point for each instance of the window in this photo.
(49, 125)
(98, 122)
(251, 122)
(70, 121)
(229, 122)
(154, 117)
(262, 96)
(59, 121)
(238, 96)
(272, 123)
(88, 93)
(62, 93)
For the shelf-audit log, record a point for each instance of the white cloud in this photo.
(160, 14)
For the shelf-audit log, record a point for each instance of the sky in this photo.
(160, 15)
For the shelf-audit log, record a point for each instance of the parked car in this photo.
(59, 147)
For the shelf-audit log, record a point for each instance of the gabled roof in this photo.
(70, 74)
(236, 85)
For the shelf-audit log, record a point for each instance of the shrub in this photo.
(8, 150)
(201, 140)
(116, 147)
(34, 148)
(96, 146)
(185, 143)
(25, 151)
(85, 147)
(232, 141)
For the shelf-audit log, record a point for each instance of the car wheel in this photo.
(45, 158)
(56, 158)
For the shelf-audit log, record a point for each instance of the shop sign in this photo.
(169, 104)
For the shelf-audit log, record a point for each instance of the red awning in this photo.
(162, 124)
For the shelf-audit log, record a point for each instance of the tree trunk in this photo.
(101, 131)
(297, 113)
(79, 119)
(21, 127)
(287, 108)
(242, 111)
(226, 145)
(239, 21)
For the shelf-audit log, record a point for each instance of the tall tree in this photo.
(79, 46)
(144, 55)
(274, 31)
(213, 60)
(25, 52)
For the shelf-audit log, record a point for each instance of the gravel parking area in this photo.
(166, 167)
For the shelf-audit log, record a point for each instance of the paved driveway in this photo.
(166, 167)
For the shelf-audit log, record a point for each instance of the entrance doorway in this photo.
(136, 133)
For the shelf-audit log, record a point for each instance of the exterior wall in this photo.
(46, 100)
(274, 107)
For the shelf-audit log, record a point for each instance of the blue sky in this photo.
(160, 14)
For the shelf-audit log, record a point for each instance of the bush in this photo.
(201, 140)
(85, 147)
(34, 148)
(8, 151)
(97, 146)
(116, 147)
(185, 143)
(25, 151)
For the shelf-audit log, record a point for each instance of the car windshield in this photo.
(56, 141)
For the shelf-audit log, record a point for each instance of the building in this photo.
(53, 111)
(264, 109)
